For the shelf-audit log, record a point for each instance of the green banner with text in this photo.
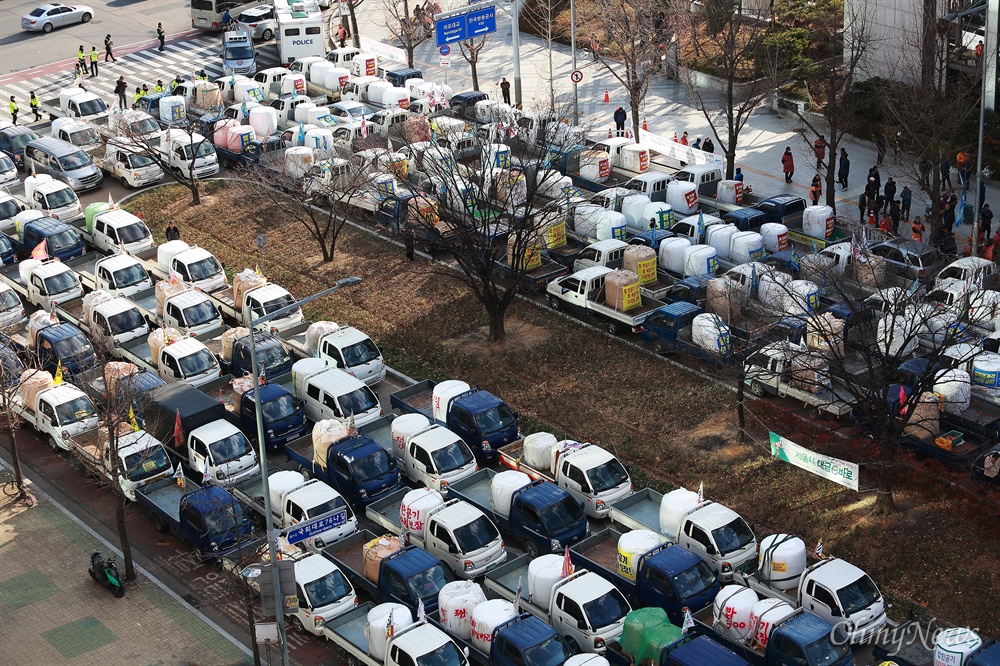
(839, 471)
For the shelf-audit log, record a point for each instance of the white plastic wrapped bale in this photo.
(825, 335)
(165, 289)
(986, 372)
(631, 546)
(378, 621)
(25, 268)
(609, 224)
(964, 353)
(621, 290)
(729, 191)
(897, 334)
(775, 237)
(732, 609)
(279, 483)
(802, 297)
(502, 489)
(263, 120)
(781, 559)
(673, 507)
(243, 282)
(772, 288)
(375, 551)
(595, 165)
(336, 77)
(305, 367)
(661, 213)
(325, 434)
(682, 197)
(955, 388)
(709, 332)
(456, 602)
(810, 372)
(700, 260)
(720, 236)
(723, 298)
(302, 111)
(248, 91)
(158, 339)
(404, 427)
(956, 646)
(298, 161)
(442, 395)
(32, 382)
(671, 254)
(25, 216)
(486, 617)
(765, 616)
(634, 210)
(925, 421)
(586, 659)
(869, 270)
(635, 158)
(172, 109)
(537, 446)
(746, 246)
(817, 222)
(543, 573)
(416, 508)
(229, 339)
(36, 322)
(316, 332)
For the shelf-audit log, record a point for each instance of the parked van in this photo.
(63, 161)
(330, 393)
(238, 56)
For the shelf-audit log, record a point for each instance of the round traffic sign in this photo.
(445, 49)
(576, 76)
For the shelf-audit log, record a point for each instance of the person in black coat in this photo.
(620, 118)
(172, 232)
(890, 191)
(843, 168)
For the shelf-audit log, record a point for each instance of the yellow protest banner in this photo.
(555, 236)
(647, 271)
(631, 298)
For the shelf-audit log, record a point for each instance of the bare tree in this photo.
(471, 50)
(540, 17)
(406, 24)
(352, 9)
(11, 376)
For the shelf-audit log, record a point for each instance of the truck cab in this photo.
(223, 451)
(333, 394)
(61, 240)
(594, 477)
(53, 198)
(115, 322)
(76, 132)
(79, 103)
(187, 360)
(324, 593)
(52, 282)
(435, 457)
(188, 153)
(60, 413)
(121, 275)
(357, 467)
(546, 519)
(263, 300)
(64, 345)
(353, 352)
(192, 312)
(609, 253)
(194, 265)
(308, 501)
(115, 230)
(652, 184)
(129, 164)
(284, 420)
(463, 105)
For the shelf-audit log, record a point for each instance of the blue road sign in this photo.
(454, 29)
(445, 50)
(327, 521)
(482, 21)
(460, 25)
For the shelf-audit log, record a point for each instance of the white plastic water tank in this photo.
(416, 507)
(673, 507)
(709, 332)
(486, 617)
(456, 601)
(720, 237)
(302, 111)
(485, 110)
(801, 297)
(315, 113)
(293, 83)
(817, 221)
(335, 77)
(25, 267)
(248, 90)
(502, 489)
(378, 619)
(610, 224)
(537, 446)
(897, 336)
(319, 70)
(495, 155)
(631, 546)
(732, 609)
(771, 289)
(661, 212)
(635, 158)
(746, 246)
(729, 191)
(321, 141)
(781, 559)
(986, 370)
(281, 482)
(682, 197)
(443, 393)
(404, 427)
(766, 614)
(303, 368)
(263, 120)
(671, 256)
(955, 388)
(595, 165)
(955, 647)
(543, 573)
(634, 210)
(172, 109)
(166, 252)
(775, 237)
(700, 260)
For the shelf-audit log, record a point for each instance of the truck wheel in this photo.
(297, 624)
(267, 35)
(160, 525)
(758, 389)
(554, 303)
(306, 473)
(53, 444)
(613, 327)
(127, 185)
(530, 549)
(573, 645)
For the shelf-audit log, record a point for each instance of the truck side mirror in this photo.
(710, 549)
(581, 624)
(452, 548)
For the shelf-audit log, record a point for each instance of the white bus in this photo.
(207, 14)
(299, 32)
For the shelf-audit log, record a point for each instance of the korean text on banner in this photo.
(647, 271)
(631, 297)
(677, 151)
(555, 235)
(832, 469)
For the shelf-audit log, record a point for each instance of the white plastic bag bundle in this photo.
(158, 339)
(325, 434)
(36, 322)
(243, 282)
(316, 332)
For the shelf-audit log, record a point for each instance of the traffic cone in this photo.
(607, 97)
(645, 127)
(871, 219)
(628, 134)
(675, 137)
(609, 132)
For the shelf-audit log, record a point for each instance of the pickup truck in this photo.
(254, 301)
(192, 264)
(587, 472)
(127, 165)
(284, 420)
(294, 500)
(583, 294)
(188, 154)
(117, 274)
(430, 455)
(140, 459)
(455, 532)
(75, 102)
(49, 196)
(58, 414)
(586, 609)
(185, 360)
(57, 345)
(541, 518)
(670, 328)
(138, 384)
(76, 132)
(110, 229)
(688, 650)
(714, 532)
(273, 359)
(407, 575)
(315, 84)
(480, 418)
(345, 347)
(268, 153)
(130, 124)
(668, 576)
(611, 254)
(43, 283)
(768, 372)
(208, 517)
(110, 323)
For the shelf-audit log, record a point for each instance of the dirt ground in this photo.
(671, 427)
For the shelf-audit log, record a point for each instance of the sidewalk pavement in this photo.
(52, 613)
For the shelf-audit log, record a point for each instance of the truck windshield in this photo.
(8, 208)
(358, 402)
(138, 128)
(64, 240)
(427, 584)
(732, 537)
(201, 313)
(280, 408)
(231, 448)
(9, 301)
(204, 149)
(73, 161)
(6, 164)
(362, 352)
(197, 363)
(93, 107)
(693, 581)
(224, 519)
(238, 52)
(57, 199)
(446, 655)
(204, 269)
(274, 305)
(476, 535)
(78, 409)
(72, 347)
(128, 276)
(133, 233)
(825, 653)
(21, 140)
(371, 467)
(144, 464)
(606, 609)
(495, 420)
(859, 595)
(332, 504)
(328, 589)
(562, 515)
(454, 456)
(273, 357)
(607, 476)
(552, 652)
(126, 322)
(84, 137)
(12, 367)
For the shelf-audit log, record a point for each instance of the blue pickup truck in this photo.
(521, 641)
(59, 345)
(668, 330)
(138, 386)
(268, 153)
(481, 419)
(689, 650)
(541, 518)
(284, 419)
(61, 240)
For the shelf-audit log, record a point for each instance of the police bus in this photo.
(207, 14)
(299, 30)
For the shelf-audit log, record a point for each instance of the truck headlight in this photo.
(555, 545)
(486, 446)
(221, 472)
(364, 494)
(469, 565)
(319, 543)
(318, 622)
(65, 434)
(215, 547)
(598, 643)
(600, 505)
(270, 433)
(726, 567)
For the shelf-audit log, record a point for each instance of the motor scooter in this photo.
(105, 572)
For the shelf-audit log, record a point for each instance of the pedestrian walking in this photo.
(788, 164)
(505, 90)
(13, 109)
(738, 176)
(120, 89)
(843, 169)
(408, 242)
(81, 58)
(708, 145)
(341, 34)
(172, 232)
(160, 35)
(107, 48)
(881, 147)
(905, 199)
(862, 205)
(819, 150)
(893, 210)
(917, 229)
(945, 167)
(889, 191)
(815, 190)
(595, 46)
(93, 61)
(986, 219)
(620, 117)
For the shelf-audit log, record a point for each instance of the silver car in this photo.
(54, 15)
(258, 21)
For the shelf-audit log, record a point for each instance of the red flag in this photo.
(178, 431)
(567, 567)
(41, 251)
(902, 400)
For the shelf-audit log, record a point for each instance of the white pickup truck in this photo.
(257, 301)
(117, 274)
(346, 348)
(58, 413)
(76, 102)
(431, 455)
(112, 229)
(187, 154)
(49, 196)
(192, 264)
(141, 459)
(129, 166)
(43, 283)
(184, 360)
(583, 294)
(110, 323)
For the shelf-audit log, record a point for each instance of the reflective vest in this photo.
(173, 85)
(13, 107)
(157, 88)
(80, 55)
(33, 102)
(93, 56)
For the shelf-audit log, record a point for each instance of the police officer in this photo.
(158, 88)
(202, 76)
(13, 109)
(81, 59)
(93, 61)
(176, 82)
(145, 89)
(160, 35)
(107, 48)
(33, 102)
(138, 94)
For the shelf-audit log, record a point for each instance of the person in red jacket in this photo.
(788, 164)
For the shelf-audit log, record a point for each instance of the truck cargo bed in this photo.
(165, 495)
(349, 552)
(475, 489)
(638, 511)
(417, 398)
(380, 431)
(348, 631)
(505, 577)
(385, 512)
(600, 548)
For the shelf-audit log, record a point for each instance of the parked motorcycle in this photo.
(105, 572)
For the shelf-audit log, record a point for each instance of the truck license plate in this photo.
(492, 565)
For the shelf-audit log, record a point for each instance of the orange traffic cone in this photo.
(607, 97)
(871, 219)
(675, 137)
(645, 127)
(609, 133)
(628, 134)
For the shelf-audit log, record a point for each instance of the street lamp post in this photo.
(272, 546)
(989, 51)
(515, 31)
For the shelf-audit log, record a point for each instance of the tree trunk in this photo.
(354, 25)
(731, 138)
(831, 178)
(740, 412)
(634, 106)
(409, 53)
(497, 315)
(123, 536)
(884, 503)
(475, 72)
(15, 462)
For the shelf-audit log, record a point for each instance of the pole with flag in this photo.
(41, 251)
(518, 595)
(902, 400)
(179, 476)
(178, 430)
(134, 422)
(688, 624)
(819, 550)
(567, 565)
(389, 629)
(421, 614)
(701, 493)
(206, 476)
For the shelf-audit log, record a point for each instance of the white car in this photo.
(54, 15)
(259, 22)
